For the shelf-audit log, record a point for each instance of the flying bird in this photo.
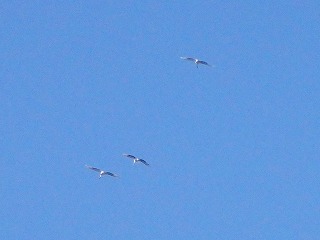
(102, 172)
(196, 61)
(135, 159)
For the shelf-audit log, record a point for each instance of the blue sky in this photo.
(234, 150)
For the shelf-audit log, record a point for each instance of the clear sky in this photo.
(234, 150)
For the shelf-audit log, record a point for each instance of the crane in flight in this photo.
(196, 61)
(135, 159)
(101, 172)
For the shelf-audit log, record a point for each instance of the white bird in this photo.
(135, 159)
(196, 61)
(102, 172)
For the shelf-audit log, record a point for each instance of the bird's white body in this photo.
(102, 173)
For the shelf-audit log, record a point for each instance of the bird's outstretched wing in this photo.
(111, 174)
(144, 162)
(129, 156)
(205, 63)
(94, 168)
(188, 58)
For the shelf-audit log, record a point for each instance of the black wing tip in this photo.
(144, 162)
(128, 155)
(112, 174)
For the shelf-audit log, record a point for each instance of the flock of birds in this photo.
(103, 172)
(136, 159)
